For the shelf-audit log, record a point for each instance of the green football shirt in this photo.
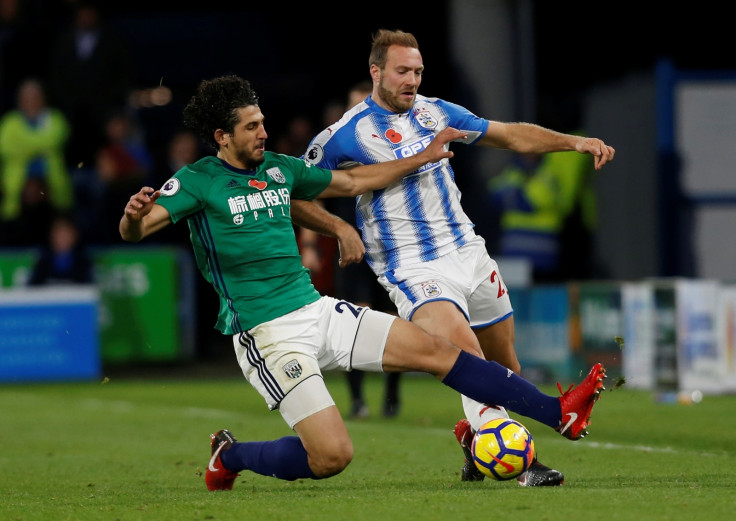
(243, 238)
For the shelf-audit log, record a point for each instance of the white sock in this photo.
(478, 414)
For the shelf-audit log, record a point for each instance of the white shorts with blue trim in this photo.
(468, 277)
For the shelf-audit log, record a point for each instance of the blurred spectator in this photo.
(294, 142)
(90, 74)
(117, 172)
(332, 112)
(32, 162)
(547, 208)
(64, 257)
(122, 163)
(32, 226)
(183, 148)
(122, 131)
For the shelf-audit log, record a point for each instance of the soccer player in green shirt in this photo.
(237, 206)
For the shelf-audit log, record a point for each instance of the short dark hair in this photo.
(216, 104)
(383, 39)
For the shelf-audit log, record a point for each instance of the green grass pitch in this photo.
(135, 449)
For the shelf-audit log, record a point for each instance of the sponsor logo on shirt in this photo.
(268, 202)
(412, 149)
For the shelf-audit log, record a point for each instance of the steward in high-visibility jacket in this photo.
(32, 142)
(548, 213)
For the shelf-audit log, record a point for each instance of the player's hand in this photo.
(601, 152)
(141, 203)
(437, 150)
(350, 245)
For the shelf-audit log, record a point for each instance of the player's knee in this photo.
(441, 355)
(332, 462)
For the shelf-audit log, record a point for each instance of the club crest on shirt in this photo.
(431, 289)
(426, 119)
(171, 186)
(293, 369)
(275, 174)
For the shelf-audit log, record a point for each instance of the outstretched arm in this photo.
(364, 178)
(312, 216)
(142, 216)
(527, 138)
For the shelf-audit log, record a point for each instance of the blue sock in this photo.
(284, 458)
(490, 382)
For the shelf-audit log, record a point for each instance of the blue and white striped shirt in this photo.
(418, 218)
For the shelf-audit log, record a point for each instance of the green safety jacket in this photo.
(23, 144)
(536, 201)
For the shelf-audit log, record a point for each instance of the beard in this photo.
(251, 161)
(392, 101)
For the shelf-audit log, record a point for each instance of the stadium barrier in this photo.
(671, 336)
(144, 312)
(676, 337)
(49, 333)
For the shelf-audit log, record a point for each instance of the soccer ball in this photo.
(502, 449)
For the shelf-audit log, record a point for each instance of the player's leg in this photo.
(358, 407)
(391, 401)
(438, 303)
(326, 441)
(381, 302)
(410, 348)
(382, 342)
(485, 382)
(280, 362)
(322, 448)
(497, 343)
(453, 324)
(489, 307)
(444, 318)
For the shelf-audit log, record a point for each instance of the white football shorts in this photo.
(283, 358)
(468, 277)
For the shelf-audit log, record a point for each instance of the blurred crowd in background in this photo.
(71, 141)
(77, 140)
